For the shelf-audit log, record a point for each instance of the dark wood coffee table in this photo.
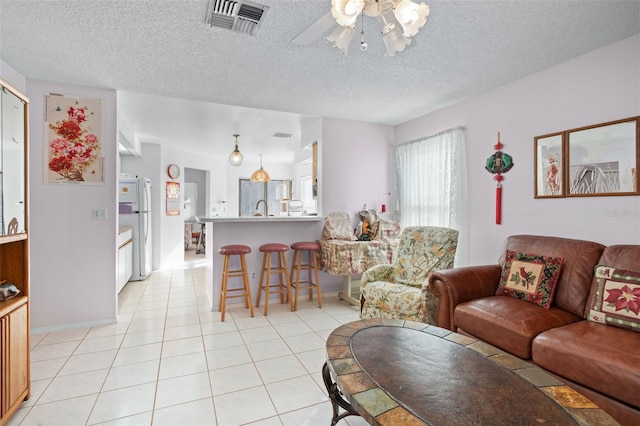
(394, 372)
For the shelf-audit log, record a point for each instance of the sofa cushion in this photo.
(383, 299)
(597, 356)
(580, 257)
(617, 300)
(530, 277)
(508, 323)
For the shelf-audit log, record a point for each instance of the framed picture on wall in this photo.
(549, 159)
(73, 140)
(603, 159)
(597, 160)
(173, 198)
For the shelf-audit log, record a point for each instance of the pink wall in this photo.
(357, 166)
(601, 86)
(73, 257)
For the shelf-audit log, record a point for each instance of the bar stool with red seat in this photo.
(282, 286)
(299, 249)
(245, 291)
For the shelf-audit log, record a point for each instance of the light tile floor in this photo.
(170, 361)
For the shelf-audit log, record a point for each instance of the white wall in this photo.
(356, 168)
(601, 86)
(168, 231)
(13, 77)
(73, 257)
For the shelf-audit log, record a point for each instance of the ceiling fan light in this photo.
(341, 38)
(394, 41)
(392, 36)
(345, 12)
(371, 8)
(411, 16)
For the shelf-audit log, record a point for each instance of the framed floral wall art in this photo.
(73, 140)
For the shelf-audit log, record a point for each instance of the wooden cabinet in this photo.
(14, 251)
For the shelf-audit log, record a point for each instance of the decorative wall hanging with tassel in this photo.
(497, 164)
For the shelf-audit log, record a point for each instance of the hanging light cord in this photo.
(363, 44)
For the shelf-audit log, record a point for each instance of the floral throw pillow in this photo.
(617, 300)
(530, 277)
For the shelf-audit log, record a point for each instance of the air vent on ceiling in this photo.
(282, 135)
(236, 15)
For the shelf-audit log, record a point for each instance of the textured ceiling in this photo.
(164, 48)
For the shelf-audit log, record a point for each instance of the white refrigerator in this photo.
(135, 211)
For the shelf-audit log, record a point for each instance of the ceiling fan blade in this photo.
(315, 30)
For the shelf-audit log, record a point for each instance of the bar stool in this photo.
(227, 252)
(299, 249)
(282, 286)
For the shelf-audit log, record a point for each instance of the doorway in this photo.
(196, 202)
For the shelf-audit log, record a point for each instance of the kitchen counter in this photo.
(252, 231)
(124, 235)
(254, 219)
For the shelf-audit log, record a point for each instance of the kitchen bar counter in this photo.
(253, 219)
(252, 231)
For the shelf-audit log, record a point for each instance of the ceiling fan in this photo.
(400, 20)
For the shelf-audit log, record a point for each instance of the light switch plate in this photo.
(100, 214)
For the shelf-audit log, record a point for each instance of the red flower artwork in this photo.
(75, 149)
(625, 298)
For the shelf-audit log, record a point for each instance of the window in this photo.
(272, 192)
(431, 184)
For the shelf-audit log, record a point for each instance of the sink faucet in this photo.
(266, 207)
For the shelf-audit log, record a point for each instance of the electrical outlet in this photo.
(100, 214)
(253, 275)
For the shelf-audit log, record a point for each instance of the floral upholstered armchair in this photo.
(401, 290)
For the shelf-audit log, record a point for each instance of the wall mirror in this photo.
(597, 160)
(12, 163)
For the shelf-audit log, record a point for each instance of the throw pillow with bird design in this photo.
(530, 277)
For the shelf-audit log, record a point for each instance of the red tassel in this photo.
(498, 204)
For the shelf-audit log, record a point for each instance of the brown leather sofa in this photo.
(600, 361)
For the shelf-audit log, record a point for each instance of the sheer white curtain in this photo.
(431, 184)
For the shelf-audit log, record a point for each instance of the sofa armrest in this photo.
(454, 286)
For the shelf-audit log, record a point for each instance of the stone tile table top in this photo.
(394, 372)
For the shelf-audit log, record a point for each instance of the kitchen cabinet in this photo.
(14, 251)
(125, 256)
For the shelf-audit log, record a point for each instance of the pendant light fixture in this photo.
(260, 175)
(235, 158)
